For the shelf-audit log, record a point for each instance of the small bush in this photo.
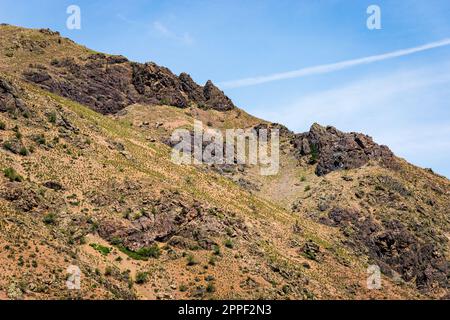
(142, 254)
(164, 102)
(229, 244)
(212, 260)
(40, 139)
(12, 175)
(314, 154)
(151, 252)
(307, 188)
(52, 117)
(50, 218)
(216, 250)
(141, 277)
(102, 249)
(108, 271)
(2, 125)
(210, 288)
(8, 146)
(191, 261)
(23, 151)
(183, 287)
(303, 179)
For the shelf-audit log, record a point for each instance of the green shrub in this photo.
(314, 154)
(183, 287)
(23, 151)
(2, 125)
(210, 287)
(216, 250)
(108, 271)
(52, 117)
(142, 254)
(102, 249)
(212, 260)
(229, 244)
(165, 102)
(50, 218)
(150, 252)
(191, 261)
(40, 139)
(12, 175)
(307, 188)
(141, 277)
(8, 146)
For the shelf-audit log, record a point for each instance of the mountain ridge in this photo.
(98, 190)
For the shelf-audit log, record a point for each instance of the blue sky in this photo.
(402, 102)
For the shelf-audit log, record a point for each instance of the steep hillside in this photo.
(88, 181)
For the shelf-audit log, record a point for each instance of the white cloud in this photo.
(164, 31)
(327, 68)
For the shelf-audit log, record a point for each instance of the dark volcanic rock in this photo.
(392, 246)
(173, 220)
(216, 99)
(108, 84)
(335, 150)
(9, 97)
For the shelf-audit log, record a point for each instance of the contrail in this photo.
(327, 68)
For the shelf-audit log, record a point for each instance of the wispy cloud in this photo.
(160, 29)
(327, 68)
(164, 31)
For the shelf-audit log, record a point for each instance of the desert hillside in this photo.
(87, 180)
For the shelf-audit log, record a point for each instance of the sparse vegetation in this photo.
(191, 261)
(23, 151)
(314, 154)
(102, 249)
(12, 175)
(212, 231)
(183, 287)
(141, 277)
(52, 117)
(142, 254)
(50, 218)
(108, 271)
(229, 244)
(216, 250)
(211, 288)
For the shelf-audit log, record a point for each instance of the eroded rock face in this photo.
(394, 248)
(108, 84)
(335, 150)
(216, 99)
(175, 220)
(9, 97)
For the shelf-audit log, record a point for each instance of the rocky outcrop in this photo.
(108, 84)
(9, 97)
(334, 150)
(394, 248)
(172, 219)
(216, 99)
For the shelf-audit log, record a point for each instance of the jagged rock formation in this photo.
(108, 84)
(9, 97)
(335, 150)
